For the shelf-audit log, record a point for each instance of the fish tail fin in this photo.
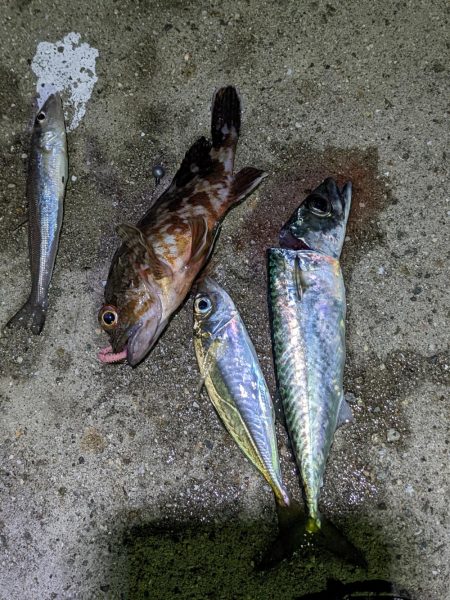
(226, 117)
(297, 531)
(329, 537)
(31, 315)
(245, 182)
(291, 535)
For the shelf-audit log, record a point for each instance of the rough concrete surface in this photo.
(122, 483)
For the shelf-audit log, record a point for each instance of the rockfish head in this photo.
(213, 308)
(132, 312)
(319, 222)
(49, 129)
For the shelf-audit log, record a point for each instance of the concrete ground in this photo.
(121, 483)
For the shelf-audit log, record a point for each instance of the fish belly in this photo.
(307, 299)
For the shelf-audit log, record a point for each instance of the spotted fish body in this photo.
(234, 381)
(307, 301)
(154, 269)
(309, 350)
(46, 184)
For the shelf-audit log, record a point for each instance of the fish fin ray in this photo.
(197, 162)
(31, 316)
(297, 531)
(200, 238)
(130, 235)
(345, 413)
(245, 182)
(213, 236)
(226, 117)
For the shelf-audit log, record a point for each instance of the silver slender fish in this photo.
(234, 381)
(307, 301)
(46, 184)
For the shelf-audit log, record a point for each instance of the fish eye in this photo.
(319, 206)
(202, 305)
(41, 116)
(108, 317)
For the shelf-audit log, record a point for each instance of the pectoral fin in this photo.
(299, 278)
(130, 235)
(199, 232)
(245, 181)
(345, 413)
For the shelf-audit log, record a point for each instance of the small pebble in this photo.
(19, 360)
(392, 435)
(74, 178)
(158, 173)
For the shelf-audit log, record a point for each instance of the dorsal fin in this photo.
(197, 162)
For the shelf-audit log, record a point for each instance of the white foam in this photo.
(68, 67)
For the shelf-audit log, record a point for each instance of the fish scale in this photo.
(308, 335)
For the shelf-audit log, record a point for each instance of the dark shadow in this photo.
(201, 560)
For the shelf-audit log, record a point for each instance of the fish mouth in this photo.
(142, 339)
(133, 350)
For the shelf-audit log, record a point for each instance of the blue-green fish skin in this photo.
(308, 306)
(309, 349)
(46, 184)
(234, 381)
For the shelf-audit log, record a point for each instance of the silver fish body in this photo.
(234, 381)
(307, 299)
(46, 184)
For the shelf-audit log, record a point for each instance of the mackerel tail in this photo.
(307, 304)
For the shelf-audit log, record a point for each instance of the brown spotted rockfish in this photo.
(155, 267)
